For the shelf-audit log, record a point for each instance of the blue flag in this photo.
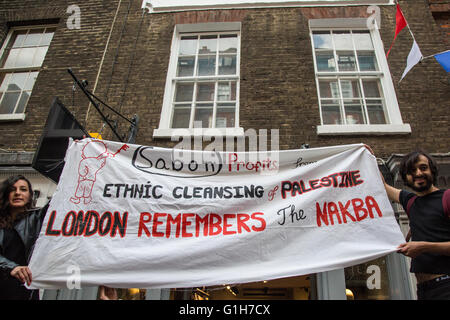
(444, 60)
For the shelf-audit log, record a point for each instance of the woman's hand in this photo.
(23, 274)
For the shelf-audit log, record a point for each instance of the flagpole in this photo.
(412, 35)
(431, 56)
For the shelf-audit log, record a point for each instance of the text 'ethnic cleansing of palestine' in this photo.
(187, 224)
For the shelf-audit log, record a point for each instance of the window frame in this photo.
(21, 116)
(165, 130)
(394, 121)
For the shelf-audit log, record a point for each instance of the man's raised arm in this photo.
(392, 193)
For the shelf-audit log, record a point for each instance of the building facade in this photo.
(315, 72)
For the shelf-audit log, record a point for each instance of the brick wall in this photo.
(80, 50)
(440, 10)
(277, 90)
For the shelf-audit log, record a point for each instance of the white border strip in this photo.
(158, 6)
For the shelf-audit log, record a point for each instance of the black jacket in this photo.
(28, 229)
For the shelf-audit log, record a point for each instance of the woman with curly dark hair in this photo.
(20, 225)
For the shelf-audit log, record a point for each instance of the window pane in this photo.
(208, 45)
(9, 102)
(227, 64)
(350, 88)
(331, 113)
(225, 115)
(376, 112)
(25, 58)
(205, 91)
(354, 112)
(4, 82)
(47, 37)
(206, 65)
(346, 61)
(372, 88)
(186, 66)
(228, 43)
(31, 80)
(367, 61)
(17, 81)
(11, 59)
(362, 40)
(18, 38)
(226, 91)
(23, 101)
(33, 37)
(203, 113)
(181, 116)
(329, 89)
(325, 61)
(184, 92)
(39, 56)
(343, 40)
(188, 45)
(322, 40)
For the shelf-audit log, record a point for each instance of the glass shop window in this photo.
(367, 281)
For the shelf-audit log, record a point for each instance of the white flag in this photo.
(414, 58)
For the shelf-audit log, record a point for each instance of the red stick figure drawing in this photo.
(92, 160)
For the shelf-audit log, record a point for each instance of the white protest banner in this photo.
(145, 217)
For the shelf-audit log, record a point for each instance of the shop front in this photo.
(385, 278)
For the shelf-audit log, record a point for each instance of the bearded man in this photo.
(429, 219)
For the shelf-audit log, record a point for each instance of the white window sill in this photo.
(198, 132)
(12, 117)
(366, 129)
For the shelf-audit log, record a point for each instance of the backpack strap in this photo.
(446, 202)
(409, 204)
(408, 208)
